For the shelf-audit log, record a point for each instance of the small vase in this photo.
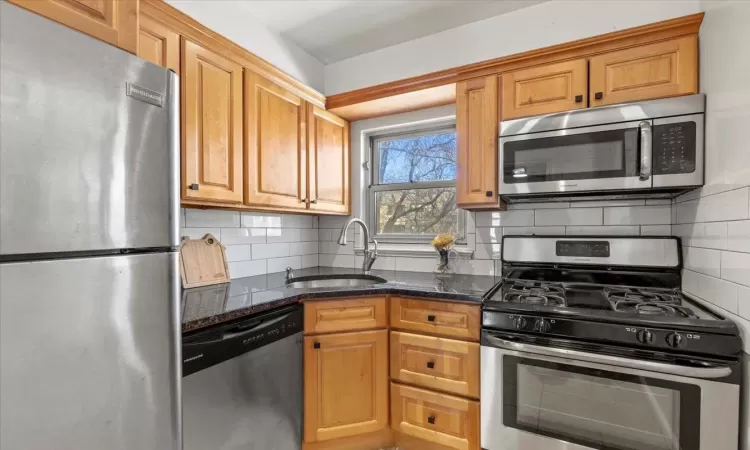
(444, 269)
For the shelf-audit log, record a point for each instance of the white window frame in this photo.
(373, 163)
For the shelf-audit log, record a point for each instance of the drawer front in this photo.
(439, 418)
(348, 314)
(435, 363)
(442, 318)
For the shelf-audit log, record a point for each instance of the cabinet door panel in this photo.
(276, 163)
(476, 128)
(663, 69)
(544, 90)
(346, 384)
(330, 189)
(112, 21)
(212, 125)
(159, 44)
(346, 314)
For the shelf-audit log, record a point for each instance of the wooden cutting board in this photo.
(203, 262)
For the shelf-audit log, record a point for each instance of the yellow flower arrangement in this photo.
(443, 241)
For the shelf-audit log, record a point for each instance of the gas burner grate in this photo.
(535, 293)
(652, 309)
(641, 295)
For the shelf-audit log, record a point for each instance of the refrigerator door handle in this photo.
(175, 193)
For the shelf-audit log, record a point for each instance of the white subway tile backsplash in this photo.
(571, 216)
(325, 235)
(276, 235)
(714, 290)
(308, 235)
(303, 248)
(520, 218)
(735, 267)
(182, 217)
(743, 300)
(260, 220)
(474, 266)
(333, 248)
(702, 260)
(382, 263)
(656, 230)
(330, 260)
(638, 215)
(195, 218)
(238, 252)
(730, 205)
(486, 250)
(603, 230)
(266, 251)
(416, 264)
(608, 203)
(280, 264)
(242, 269)
(336, 222)
(534, 230)
(198, 233)
(233, 236)
(296, 221)
(738, 236)
(705, 235)
(550, 205)
(489, 235)
(307, 261)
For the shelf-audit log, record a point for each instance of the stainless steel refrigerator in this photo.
(89, 289)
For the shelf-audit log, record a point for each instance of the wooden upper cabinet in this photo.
(346, 384)
(476, 127)
(544, 89)
(211, 125)
(662, 69)
(328, 145)
(275, 140)
(158, 44)
(112, 21)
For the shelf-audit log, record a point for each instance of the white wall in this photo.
(229, 19)
(542, 25)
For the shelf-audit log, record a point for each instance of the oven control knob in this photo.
(519, 323)
(675, 340)
(644, 336)
(542, 326)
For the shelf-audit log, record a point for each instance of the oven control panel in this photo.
(674, 148)
(618, 334)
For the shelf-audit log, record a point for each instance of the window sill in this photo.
(415, 250)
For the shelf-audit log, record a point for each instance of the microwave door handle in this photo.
(646, 134)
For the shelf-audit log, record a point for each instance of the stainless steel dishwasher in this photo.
(242, 385)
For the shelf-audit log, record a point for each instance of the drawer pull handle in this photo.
(430, 364)
(430, 318)
(431, 420)
(316, 345)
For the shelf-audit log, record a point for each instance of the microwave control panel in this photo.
(674, 148)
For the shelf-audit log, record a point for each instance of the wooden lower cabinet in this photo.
(346, 384)
(452, 422)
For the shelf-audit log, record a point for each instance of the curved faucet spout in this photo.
(370, 255)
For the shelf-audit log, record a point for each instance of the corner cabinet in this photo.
(211, 126)
(476, 128)
(158, 43)
(112, 21)
(328, 150)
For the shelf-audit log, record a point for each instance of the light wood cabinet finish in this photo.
(112, 21)
(544, 89)
(436, 363)
(476, 127)
(328, 316)
(346, 384)
(457, 320)
(329, 175)
(158, 43)
(275, 137)
(662, 69)
(211, 126)
(440, 418)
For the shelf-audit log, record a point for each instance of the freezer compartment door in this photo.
(90, 354)
(88, 157)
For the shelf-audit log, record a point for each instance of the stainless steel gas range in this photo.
(588, 343)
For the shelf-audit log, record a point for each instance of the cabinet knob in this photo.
(430, 364)
(194, 187)
(303, 200)
(599, 95)
(431, 420)
(488, 193)
(430, 318)
(579, 98)
(314, 201)
(316, 345)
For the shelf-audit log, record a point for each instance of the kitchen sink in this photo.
(333, 281)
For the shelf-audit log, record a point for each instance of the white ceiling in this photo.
(333, 30)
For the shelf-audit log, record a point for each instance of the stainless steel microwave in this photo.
(642, 149)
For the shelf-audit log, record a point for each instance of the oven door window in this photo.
(600, 409)
(600, 154)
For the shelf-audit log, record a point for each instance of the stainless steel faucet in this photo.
(370, 255)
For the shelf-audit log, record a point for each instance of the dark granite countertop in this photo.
(210, 305)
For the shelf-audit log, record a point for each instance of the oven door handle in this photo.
(644, 129)
(692, 372)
